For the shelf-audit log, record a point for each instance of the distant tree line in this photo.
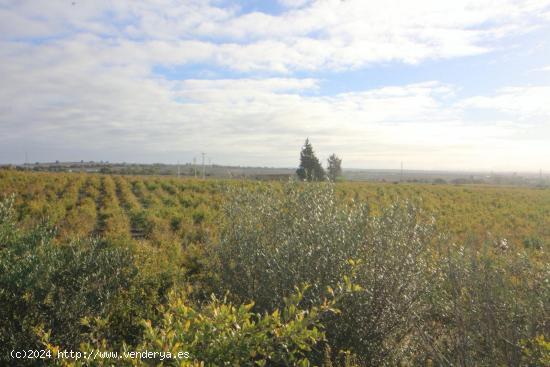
(310, 168)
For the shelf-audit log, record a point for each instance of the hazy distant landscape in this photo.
(270, 173)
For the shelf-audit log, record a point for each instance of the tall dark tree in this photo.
(334, 168)
(310, 168)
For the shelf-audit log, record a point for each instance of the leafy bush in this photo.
(536, 351)
(220, 333)
(223, 334)
(273, 241)
(422, 298)
(53, 287)
(487, 302)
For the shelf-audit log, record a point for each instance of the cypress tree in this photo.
(310, 168)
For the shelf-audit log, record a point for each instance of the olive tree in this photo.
(276, 238)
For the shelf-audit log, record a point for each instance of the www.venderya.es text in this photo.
(97, 354)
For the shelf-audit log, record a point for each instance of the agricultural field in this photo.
(248, 273)
(142, 209)
(156, 210)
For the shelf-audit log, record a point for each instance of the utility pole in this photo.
(203, 171)
(178, 169)
(195, 166)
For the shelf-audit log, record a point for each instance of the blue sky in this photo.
(436, 84)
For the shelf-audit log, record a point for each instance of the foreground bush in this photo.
(536, 351)
(490, 306)
(218, 333)
(422, 300)
(48, 286)
(91, 296)
(274, 241)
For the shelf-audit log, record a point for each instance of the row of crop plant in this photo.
(187, 211)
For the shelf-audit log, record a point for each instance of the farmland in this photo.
(274, 273)
(156, 209)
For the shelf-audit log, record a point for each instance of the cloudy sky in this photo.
(437, 84)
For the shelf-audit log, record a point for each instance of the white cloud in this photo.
(523, 102)
(316, 35)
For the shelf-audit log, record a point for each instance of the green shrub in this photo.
(220, 333)
(487, 302)
(273, 241)
(536, 352)
(53, 287)
(422, 299)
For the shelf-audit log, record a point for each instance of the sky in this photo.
(435, 84)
